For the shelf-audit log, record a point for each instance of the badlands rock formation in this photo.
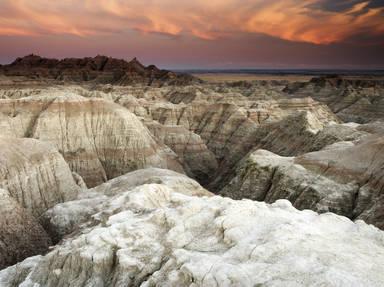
(230, 124)
(21, 235)
(127, 132)
(198, 161)
(345, 178)
(35, 174)
(99, 69)
(99, 139)
(352, 100)
(33, 178)
(227, 124)
(153, 235)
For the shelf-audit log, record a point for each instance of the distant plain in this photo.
(232, 77)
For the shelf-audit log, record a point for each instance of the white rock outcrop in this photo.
(155, 236)
(65, 218)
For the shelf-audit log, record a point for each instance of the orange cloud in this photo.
(295, 21)
(8, 31)
(292, 20)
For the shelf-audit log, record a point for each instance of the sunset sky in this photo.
(344, 34)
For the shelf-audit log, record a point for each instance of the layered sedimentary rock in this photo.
(304, 132)
(35, 174)
(21, 235)
(156, 227)
(265, 176)
(232, 121)
(99, 69)
(292, 135)
(361, 165)
(345, 178)
(230, 131)
(353, 100)
(99, 139)
(228, 121)
(198, 161)
(155, 236)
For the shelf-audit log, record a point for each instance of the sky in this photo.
(203, 34)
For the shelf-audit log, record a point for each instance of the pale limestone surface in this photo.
(65, 218)
(154, 236)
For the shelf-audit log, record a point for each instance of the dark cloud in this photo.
(365, 39)
(336, 6)
(345, 5)
(237, 32)
(376, 4)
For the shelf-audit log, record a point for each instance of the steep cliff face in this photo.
(232, 121)
(345, 178)
(155, 236)
(21, 235)
(230, 131)
(305, 132)
(188, 119)
(292, 135)
(265, 176)
(33, 178)
(99, 139)
(35, 174)
(198, 161)
(362, 165)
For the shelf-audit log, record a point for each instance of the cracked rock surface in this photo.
(155, 236)
(65, 218)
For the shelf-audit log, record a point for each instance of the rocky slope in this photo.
(99, 139)
(353, 100)
(197, 122)
(344, 178)
(100, 69)
(141, 225)
(33, 178)
(198, 161)
(231, 130)
(153, 235)
(35, 174)
(21, 235)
